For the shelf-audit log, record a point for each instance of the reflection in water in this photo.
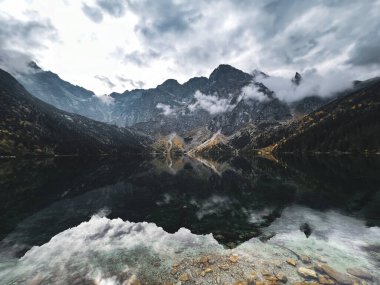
(326, 207)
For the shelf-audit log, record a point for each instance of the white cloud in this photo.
(312, 84)
(108, 100)
(132, 39)
(251, 92)
(167, 109)
(210, 103)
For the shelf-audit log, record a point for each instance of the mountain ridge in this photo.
(30, 126)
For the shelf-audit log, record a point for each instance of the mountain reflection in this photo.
(234, 199)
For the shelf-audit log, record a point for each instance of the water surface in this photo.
(68, 220)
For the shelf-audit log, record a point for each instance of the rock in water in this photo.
(307, 273)
(338, 276)
(291, 262)
(305, 227)
(325, 281)
(358, 272)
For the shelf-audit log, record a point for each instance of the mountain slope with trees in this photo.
(347, 124)
(29, 126)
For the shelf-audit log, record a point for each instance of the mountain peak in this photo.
(297, 79)
(170, 85)
(34, 66)
(225, 72)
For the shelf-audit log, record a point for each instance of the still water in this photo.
(150, 221)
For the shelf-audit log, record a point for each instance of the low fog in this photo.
(312, 84)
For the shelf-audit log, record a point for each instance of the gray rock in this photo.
(336, 275)
(358, 272)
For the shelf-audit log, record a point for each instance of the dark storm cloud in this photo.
(106, 81)
(28, 34)
(116, 8)
(280, 33)
(367, 49)
(162, 17)
(20, 39)
(93, 13)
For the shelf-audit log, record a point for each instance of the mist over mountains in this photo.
(228, 111)
(228, 99)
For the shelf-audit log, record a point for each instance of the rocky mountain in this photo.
(29, 126)
(239, 98)
(230, 102)
(50, 88)
(226, 101)
(348, 123)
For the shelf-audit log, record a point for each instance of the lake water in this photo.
(165, 221)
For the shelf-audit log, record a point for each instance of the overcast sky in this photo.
(113, 45)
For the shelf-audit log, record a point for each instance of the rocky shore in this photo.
(236, 270)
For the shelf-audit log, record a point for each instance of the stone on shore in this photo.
(307, 273)
(233, 258)
(184, 277)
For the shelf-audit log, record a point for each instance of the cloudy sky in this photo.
(113, 45)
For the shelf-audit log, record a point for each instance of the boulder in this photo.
(336, 275)
(358, 272)
(307, 273)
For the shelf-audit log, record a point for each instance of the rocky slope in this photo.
(235, 104)
(349, 123)
(29, 126)
(220, 102)
(50, 88)
(226, 100)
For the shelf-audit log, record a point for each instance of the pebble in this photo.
(233, 258)
(307, 273)
(292, 262)
(184, 277)
(358, 272)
